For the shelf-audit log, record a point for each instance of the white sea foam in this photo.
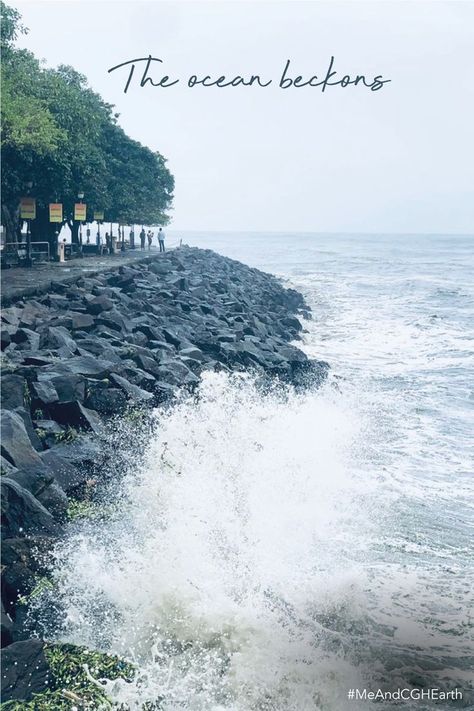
(232, 560)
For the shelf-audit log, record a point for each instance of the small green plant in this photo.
(26, 394)
(81, 509)
(69, 435)
(134, 415)
(42, 584)
(38, 415)
(90, 510)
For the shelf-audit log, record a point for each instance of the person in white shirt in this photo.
(161, 239)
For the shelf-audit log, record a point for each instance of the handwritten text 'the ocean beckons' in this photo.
(152, 75)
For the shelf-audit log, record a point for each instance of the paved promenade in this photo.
(18, 282)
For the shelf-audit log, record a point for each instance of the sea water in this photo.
(274, 551)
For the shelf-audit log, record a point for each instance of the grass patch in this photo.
(74, 670)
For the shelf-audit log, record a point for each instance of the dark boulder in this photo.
(99, 304)
(16, 446)
(25, 671)
(107, 401)
(175, 372)
(5, 337)
(74, 414)
(26, 339)
(89, 366)
(36, 481)
(23, 514)
(135, 393)
(6, 628)
(58, 337)
(43, 393)
(53, 387)
(80, 322)
(13, 391)
(72, 464)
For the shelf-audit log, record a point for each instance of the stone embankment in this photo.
(90, 349)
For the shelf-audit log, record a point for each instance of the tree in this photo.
(62, 136)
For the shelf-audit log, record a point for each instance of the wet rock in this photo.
(99, 304)
(75, 415)
(57, 337)
(55, 501)
(192, 352)
(25, 338)
(43, 393)
(6, 628)
(68, 387)
(134, 393)
(24, 561)
(5, 338)
(25, 671)
(6, 467)
(79, 322)
(23, 514)
(89, 366)
(13, 391)
(16, 446)
(71, 464)
(36, 481)
(172, 337)
(175, 372)
(107, 401)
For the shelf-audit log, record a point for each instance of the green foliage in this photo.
(74, 670)
(82, 509)
(10, 26)
(69, 435)
(62, 136)
(42, 585)
(91, 510)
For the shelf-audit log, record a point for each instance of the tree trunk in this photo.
(74, 227)
(11, 220)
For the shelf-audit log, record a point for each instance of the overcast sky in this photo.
(395, 160)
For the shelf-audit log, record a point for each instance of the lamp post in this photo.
(28, 261)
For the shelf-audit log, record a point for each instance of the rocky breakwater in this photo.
(91, 349)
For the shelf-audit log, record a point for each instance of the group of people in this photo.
(149, 237)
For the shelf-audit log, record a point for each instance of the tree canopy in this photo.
(63, 137)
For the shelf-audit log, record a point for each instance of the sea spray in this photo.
(226, 573)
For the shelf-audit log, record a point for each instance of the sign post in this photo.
(28, 213)
(56, 215)
(55, 212)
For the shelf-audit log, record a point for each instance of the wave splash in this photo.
(228, 575)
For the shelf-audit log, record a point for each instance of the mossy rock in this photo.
(72, 687)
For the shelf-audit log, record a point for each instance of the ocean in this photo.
(276, 552)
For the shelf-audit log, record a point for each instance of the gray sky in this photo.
(395, 160)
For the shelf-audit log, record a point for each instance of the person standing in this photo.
(142, 238)
(161, 239)
(132, 238)
(150, 238)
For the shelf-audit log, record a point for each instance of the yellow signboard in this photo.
(98, 215)
(55, 212)
(28, 208)
(80, 211)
